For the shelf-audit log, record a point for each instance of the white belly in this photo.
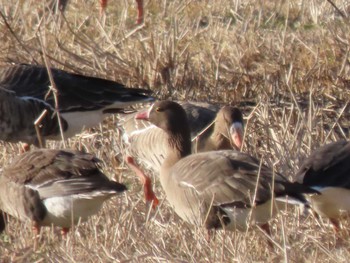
(62, 211)
(242, 219)
(77, 121)
(189, 209)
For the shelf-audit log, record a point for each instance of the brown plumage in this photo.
(83, 101)
(54, 187)
(218, 189)
(212, 128)
(17, 117)
(327, 170)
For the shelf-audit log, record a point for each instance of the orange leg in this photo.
(36, 231)
(145, 180)
(103, 4)
(211, 234)
(25, 148)
(336, 225)
(64, 231)
(139, 12)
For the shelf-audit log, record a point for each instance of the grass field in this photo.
(285, 63)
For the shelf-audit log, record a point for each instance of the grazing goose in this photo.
(219, 189)
(54, 187)
(17, 117)
(327, 170)
(83, 101)
(61, 5)
(211, 129)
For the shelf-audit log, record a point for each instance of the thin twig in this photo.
(52, 88)
(37, 123)
(336, 8)
(16, 37)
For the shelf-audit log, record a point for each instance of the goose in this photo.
(54, 187)
(223, 189)
(83, 101)
(62, 4)
(212, 128)
(327, 170)
(17, 117)
(147, 143)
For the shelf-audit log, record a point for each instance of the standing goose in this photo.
(327, 170)
(210, 128)
(83, 101)
(17, 117)
(219, 189)
(55, 187)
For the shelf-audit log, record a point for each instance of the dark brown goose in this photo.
(219, 189)
(17, 117)
(83, 101)
(211, 128)
(55, 187)
(327, 170)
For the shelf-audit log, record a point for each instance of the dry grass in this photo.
(285, 62)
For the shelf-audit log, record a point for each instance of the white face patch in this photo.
(236, 131)
(236, 126)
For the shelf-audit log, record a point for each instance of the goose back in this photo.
(82, 101)
(327, 170)
(329, 165)
(225, 189)
(75, 92)
(45, 186)
(17, 117)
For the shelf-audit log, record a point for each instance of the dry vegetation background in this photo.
(286, 63)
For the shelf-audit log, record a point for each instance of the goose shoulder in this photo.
(328, 165)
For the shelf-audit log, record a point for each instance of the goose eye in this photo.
(158, 109)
